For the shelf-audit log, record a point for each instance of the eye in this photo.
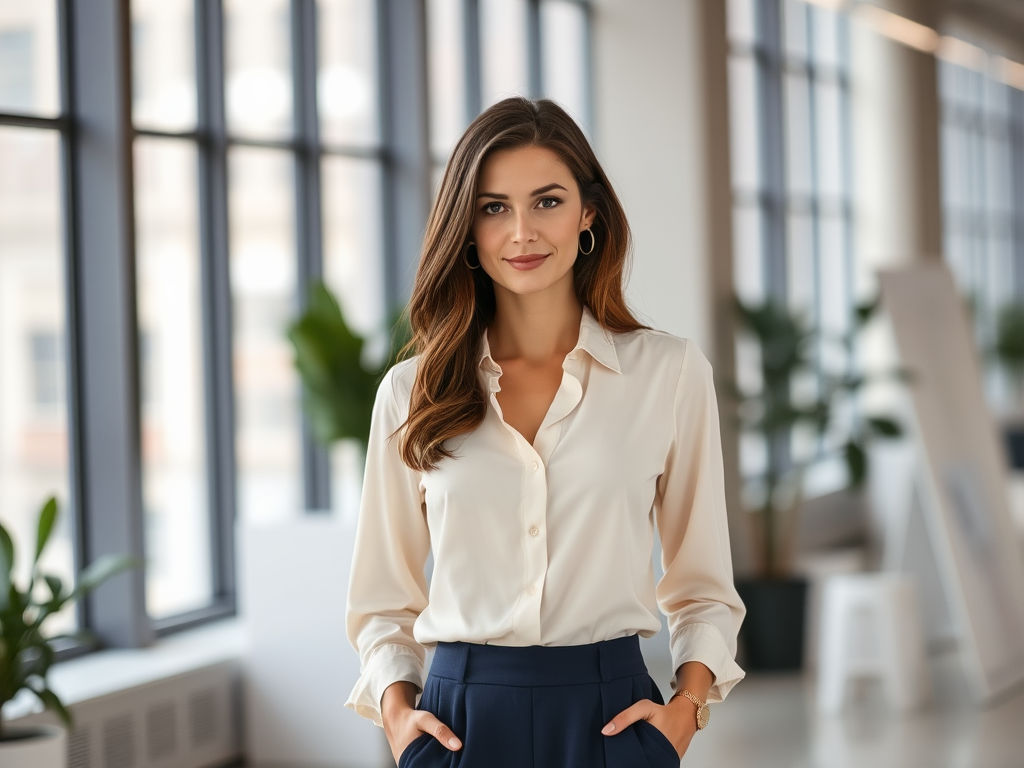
(490, 208)
(549, 202)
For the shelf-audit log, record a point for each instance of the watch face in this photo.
(703, 715)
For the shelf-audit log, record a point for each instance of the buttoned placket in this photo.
(533, 507)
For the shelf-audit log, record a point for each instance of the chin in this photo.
(527, 285)
(533, 281)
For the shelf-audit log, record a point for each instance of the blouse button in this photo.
(532, 589)
(534, 531)
(534, 466)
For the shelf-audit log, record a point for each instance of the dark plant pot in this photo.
(773, 630)
(1015, 445)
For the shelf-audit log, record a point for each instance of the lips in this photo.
(528, 260)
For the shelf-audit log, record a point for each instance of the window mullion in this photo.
(403, 91)
(308, 220)
(471, 41)
(104, 335)
(535, 51)
(218, 373)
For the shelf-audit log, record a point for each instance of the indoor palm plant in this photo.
(786, 341)
(339, 383)
(26, 652)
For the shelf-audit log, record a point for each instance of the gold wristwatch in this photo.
(703, 711)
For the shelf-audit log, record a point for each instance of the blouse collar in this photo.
(596, 340)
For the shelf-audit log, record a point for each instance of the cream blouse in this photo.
(551, 543)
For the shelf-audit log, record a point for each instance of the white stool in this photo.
(871, 627)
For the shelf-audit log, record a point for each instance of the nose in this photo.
(522, 227)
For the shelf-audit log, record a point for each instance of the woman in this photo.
(530, 444)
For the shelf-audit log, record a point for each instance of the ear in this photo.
(589, 214)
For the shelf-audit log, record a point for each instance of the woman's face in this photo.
(528, 219)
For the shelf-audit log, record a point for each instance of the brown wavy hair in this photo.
(452, 305)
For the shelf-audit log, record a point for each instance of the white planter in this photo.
(42, 746)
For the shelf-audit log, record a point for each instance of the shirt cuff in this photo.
(387, 664)
(703, 642)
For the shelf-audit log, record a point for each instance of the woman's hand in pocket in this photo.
(669, 719)
(403, 723)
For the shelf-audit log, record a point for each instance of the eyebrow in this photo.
(535, 192)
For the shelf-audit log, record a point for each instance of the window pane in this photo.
(447, 67)
(353, 253)
(564, 39)
(743, 122)
(741, 21)
(174, 463)
(794, 29)
(826, 30)
(798, 134)
(259, 70)
(29, 60)
(163, 64)
(800, 269)
(263, 271)
(503, 50)
(748, 273)
(354, 270)
(829, 138)
(33, 398)
(347, 77)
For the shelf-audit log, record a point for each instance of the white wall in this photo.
(646, 84)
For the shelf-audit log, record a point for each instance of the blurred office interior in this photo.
(174, 173)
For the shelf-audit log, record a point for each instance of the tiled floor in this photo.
(770, 722)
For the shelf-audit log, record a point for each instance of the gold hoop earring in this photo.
(593, 243)
(465, 256)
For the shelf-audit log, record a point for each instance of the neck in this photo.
(535, 327)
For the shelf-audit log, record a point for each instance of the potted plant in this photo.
(776, 598)
(26, 653)
(1008, 352)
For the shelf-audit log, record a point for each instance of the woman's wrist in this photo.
(695, 678)
(398, 696)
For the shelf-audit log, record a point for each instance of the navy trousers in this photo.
(539, 707)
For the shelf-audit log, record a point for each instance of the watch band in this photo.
(703, 712)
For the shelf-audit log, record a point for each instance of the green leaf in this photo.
(101, 570)
(6, 567)
(856, 463)
(47, 517)
(56, 586)
(866, 311)
(54, 704)
(338, 386)
(82, 636)
(885, 426)
(1009, 337)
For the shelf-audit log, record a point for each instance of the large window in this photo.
(789, 90)
(983, 193)
(34, 445)
(237, 149)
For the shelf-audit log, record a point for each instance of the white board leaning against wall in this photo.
(963, 490)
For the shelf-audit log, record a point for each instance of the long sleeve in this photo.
(387, 588)
(697, 593)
